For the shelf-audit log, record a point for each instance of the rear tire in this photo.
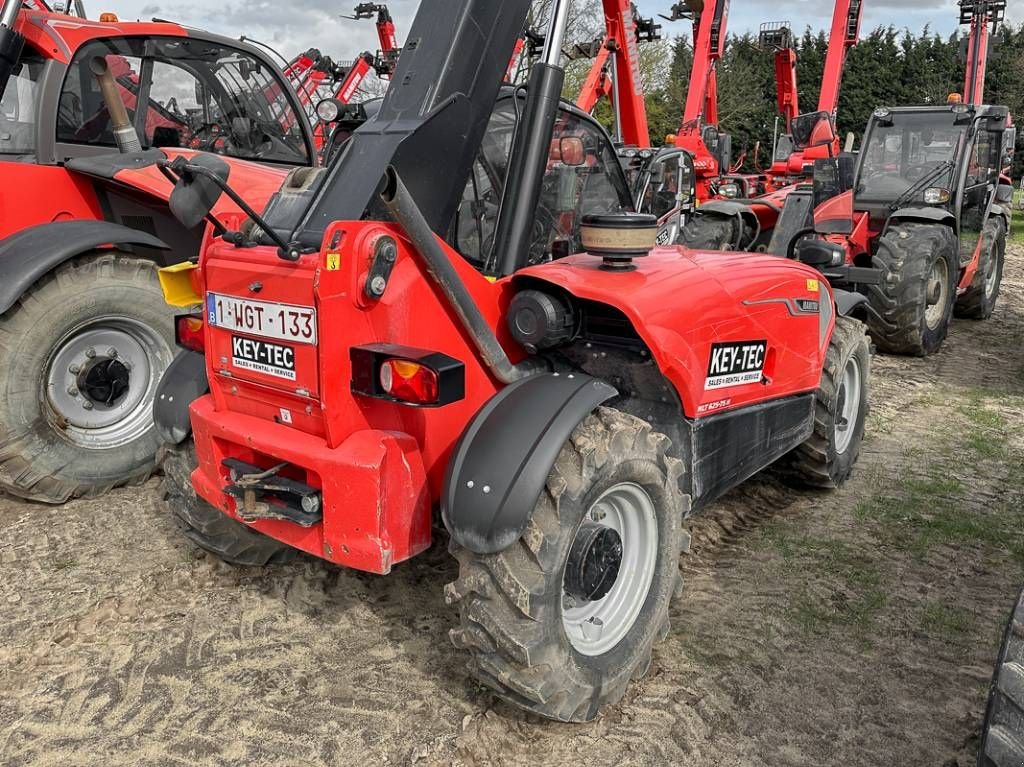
(920, 264)
(209, 528)
(713, 232)
(1002, 735)
(841, 408)
(81, 355)
(536, 646)
(979, 300)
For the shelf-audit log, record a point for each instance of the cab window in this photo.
(197, 95)
(18, 110)
(583, 177)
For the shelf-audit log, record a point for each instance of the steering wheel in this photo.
(208, 137)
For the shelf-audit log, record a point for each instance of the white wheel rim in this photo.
(132, 348)
(991, 271)
(597, 627)
(848, 406)
(937, 293)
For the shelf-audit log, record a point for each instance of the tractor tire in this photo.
(979, 300)
(711, 232)
(1002, 734)
(81, 355)
(209, 528)
(561, 656)
(920, 264)
(841, 408)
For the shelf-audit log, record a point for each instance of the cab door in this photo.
(981, 180)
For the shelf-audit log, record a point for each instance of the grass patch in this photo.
(942, 621)
(64, 563)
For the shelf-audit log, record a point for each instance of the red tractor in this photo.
(84, 334)
(407, 331)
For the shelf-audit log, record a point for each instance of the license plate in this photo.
(283, 322)
(263, 357)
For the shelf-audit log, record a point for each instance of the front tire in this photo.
(979, 300)
(920, 264)
(81, 355)
(1002, 735)
(209, 528)
(841, 406)
(534, 635)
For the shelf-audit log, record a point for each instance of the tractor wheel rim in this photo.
(848, 408)
(101, 381)
(594, 628)
(991, 272)
(937, 291)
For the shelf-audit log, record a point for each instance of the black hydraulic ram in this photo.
(11, 42)
(530, 152)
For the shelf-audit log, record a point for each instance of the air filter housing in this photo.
(618, 238)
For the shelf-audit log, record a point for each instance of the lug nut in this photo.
(74, 370)
(72, 391)
(112, 353)
(90, 352)
(87, 405)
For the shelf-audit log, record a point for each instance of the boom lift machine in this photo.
(565, 412)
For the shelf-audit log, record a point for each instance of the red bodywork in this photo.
(626, 86)
(38, 194)
(381, 465)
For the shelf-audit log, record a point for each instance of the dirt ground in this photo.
(858, 628)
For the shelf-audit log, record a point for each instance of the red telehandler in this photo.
(407, 330)
(750, 218)
(84, 337)
(925, 206)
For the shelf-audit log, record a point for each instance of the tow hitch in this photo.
(264, 494)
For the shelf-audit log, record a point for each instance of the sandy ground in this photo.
(858, 628)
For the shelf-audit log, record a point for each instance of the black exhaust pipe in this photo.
(408, 215)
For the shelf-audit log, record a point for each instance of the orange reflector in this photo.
(108, 18)
(188, 333)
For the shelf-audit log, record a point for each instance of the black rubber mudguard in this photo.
(183, 383)
(29, 254)
(847, 302)
(503, 459)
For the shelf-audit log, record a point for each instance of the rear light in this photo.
(188, 333)
(409, 381)
(407, 376)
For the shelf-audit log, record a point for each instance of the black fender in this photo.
(1004, 213)
(29, 254)
(502, 461)
(848, 303)
(183, 383)
(926, 215)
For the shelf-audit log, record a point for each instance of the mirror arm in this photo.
(287, 251)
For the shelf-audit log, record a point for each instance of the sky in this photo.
(300, 24)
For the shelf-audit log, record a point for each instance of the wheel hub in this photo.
(101, 378)
(594, 562)
(105, 382)
(609, 569)
(937, 293)
(847, 406)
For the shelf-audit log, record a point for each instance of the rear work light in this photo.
(188, 333)
(407, 376)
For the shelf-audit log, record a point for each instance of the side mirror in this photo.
(658, 173)
(199, 186)
(573, 153)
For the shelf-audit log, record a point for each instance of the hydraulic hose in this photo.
(403, 207)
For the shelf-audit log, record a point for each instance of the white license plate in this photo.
(284, 322)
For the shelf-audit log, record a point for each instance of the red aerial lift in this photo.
(615, 73)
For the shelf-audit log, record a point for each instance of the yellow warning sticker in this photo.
(813, 286)
(333, 262)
